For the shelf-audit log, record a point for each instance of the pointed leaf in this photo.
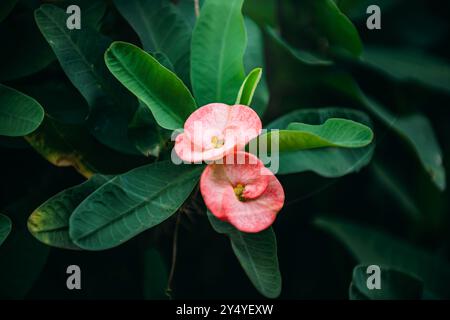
(19, 114)
(132, 203)
(160, 89)
(217, 51)
(257, 254)
(334, 132)
(327, 162)
(249, 87)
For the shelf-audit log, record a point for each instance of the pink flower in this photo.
(216, 130)
(247, 195)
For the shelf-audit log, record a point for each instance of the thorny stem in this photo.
(174, 257)
(197, 8)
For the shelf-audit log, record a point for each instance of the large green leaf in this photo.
(327, 162)
(257, 254)
(50, 222)
(340, 133)
(416, 129)
(160, 89)
(132, 203)
(248, 88)
(217, 51)
(19, 114)
(253, 59)
(371, 246)
(395, 285)
(67, 145)
(410, 65)
(162, 29)
(80, 53)
(27, 51)
(5, 228)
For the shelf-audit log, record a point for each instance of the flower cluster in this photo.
(236, 186)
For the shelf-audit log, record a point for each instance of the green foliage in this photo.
(131, 203)
(50, 222)
(160, 89)
(217, 52)
(257, 254)
(19, 114)
(80, 53)
(340, 133)
(410, 65)
(328, 162)
(395, 285)
(371, 246)
(162, 30)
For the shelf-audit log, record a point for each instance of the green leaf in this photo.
(132, 203)
(80, 53)
(27, 51)
(155, 275)
(395, 285)
(6, 6)
(162, 29)
(249, 87)
(19, 114)
(5, 228)
(66, 145)
(257, 254)
(218, 45)
(254, 58)
(409, 65)
(160, 89)
(327, 162)
(416, 129)
(371, 246)
(338, 29)
(50, 222)
(334, 132)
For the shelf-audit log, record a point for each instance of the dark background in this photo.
(314, 265)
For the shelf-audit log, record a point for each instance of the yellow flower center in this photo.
(238, 191)
(217, 142)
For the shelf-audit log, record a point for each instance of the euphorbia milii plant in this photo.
(136, 97)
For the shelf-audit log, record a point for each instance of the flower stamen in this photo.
(238, 191)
